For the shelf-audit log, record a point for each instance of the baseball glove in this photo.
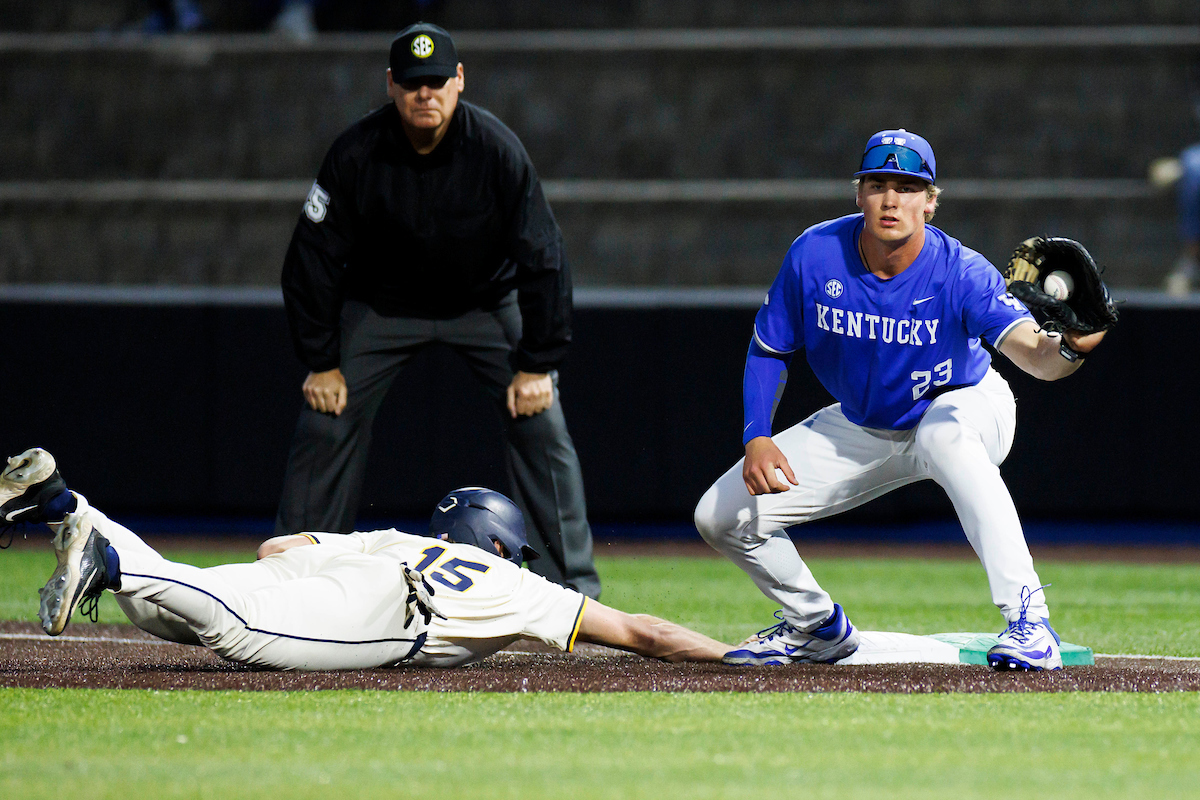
(1088, 309)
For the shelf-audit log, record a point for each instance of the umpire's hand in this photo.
(326, 391)
(530, 393)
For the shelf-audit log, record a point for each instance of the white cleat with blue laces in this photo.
(784, 643)
(1028, 644)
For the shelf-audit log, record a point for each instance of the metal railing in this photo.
(199, 48)
(578, 190)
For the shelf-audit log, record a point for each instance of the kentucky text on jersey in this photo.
(900, 331)
(885, 348)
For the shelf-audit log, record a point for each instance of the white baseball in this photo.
(1059, 285)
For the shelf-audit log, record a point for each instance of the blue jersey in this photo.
(886, 348)
(1189, 195)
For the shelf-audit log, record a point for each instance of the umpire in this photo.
(427, 223)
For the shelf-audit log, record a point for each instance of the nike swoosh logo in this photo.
(789, 650)
(923, 300)
(12, 514)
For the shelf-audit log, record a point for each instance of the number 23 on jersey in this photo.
(923, 378)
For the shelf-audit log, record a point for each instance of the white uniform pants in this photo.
(959, 443)
(307, 608)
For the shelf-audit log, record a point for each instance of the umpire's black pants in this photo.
(324, 477)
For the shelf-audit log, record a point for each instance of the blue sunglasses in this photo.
(894, 156)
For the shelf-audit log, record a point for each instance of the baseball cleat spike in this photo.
(31, 489)
(30, 467)
(79, 577)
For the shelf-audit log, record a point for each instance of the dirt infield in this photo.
(122, 657)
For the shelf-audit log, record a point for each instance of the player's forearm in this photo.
(1038, 353)
(671, 642)
(762, 387)
(353, 542)
(646, 635)
(1047, 362)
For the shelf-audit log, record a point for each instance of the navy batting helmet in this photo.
(473, 515)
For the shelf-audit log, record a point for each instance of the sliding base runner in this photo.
(882, 647)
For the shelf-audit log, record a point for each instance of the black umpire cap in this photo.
(422, 50)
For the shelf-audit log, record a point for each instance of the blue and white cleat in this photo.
(1027, 644)
(784, 643)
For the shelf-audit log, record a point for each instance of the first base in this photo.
(883, 647)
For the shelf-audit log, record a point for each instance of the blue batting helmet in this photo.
(898, 152)
(473, 515)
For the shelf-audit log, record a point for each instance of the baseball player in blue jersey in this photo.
(1187, 267)
(891, 313)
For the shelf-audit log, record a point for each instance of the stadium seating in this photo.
(1038, 129)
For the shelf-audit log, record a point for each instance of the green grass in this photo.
(63, 743)
(1146, 609)
(112, 744)
(1113, 608)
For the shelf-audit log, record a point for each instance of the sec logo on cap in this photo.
(422, 46)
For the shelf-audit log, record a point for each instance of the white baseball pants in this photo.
(959, 443)
(308, 608)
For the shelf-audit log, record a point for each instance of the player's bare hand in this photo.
(280, 544)
(763, 457)
(1083, 342)
(530, 393)
(326, 391)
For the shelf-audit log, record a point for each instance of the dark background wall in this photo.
(181, 161)
(53, 15)
(177, 409)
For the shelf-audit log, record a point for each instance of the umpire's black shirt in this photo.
(429, 236)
